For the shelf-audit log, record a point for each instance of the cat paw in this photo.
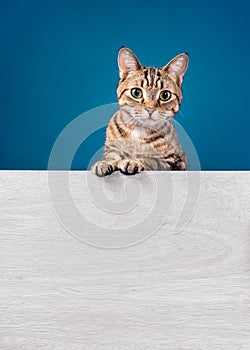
(130, 166)
(102, 168)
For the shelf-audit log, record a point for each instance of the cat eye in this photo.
(165, 95)
(136, 93)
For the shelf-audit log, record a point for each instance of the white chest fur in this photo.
(140, 132)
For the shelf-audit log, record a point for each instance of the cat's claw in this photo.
(102, 168)
(130, 166)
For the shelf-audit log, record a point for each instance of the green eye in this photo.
(165, 95)
(136, 92)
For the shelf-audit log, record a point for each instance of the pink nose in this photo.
(150, 110)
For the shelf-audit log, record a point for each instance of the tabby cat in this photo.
(141, 135)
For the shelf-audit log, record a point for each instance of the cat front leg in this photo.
(133, 166)
(130, 166)
(102, 168)
(108, 165)
(163, 164)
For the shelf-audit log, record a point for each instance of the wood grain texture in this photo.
(187, 291)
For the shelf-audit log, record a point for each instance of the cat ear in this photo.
(177, 67)
(127, 62)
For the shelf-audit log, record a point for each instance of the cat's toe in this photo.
(130, 166)
(102, 168)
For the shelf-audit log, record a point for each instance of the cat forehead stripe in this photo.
(157, 82)
(152, 78)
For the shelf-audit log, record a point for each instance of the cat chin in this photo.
(145, 130)
(153, 120)
(150, 124)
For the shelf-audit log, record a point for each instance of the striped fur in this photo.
(141, 135)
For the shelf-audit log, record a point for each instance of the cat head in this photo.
(150, 95)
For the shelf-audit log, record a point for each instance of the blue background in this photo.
(59, 59)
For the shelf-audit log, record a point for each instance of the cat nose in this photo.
(150, 110)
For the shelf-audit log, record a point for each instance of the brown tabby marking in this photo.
(141, 135)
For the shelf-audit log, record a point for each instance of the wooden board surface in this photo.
(185, 290)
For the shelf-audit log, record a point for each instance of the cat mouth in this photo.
(149, 117)
(148, 122)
